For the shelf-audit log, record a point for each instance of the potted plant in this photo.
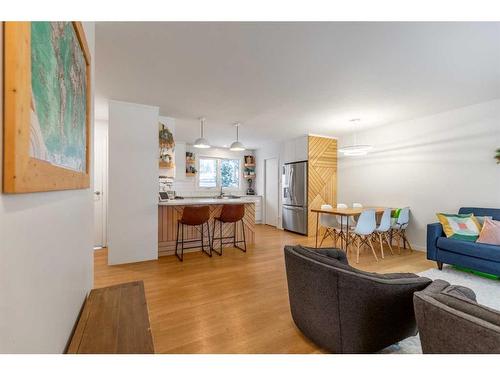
(166, 137)
(498, 156)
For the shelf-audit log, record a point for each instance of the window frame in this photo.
(218, 177)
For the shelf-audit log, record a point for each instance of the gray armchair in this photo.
(345, 310)
(450, 321)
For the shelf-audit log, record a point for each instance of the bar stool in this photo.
(230, 213)
(193, 216)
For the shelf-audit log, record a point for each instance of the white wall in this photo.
(268, 151)
(46, 262)
(432, 164)
(132, 183)
(188, 186)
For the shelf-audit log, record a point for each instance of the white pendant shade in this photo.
(201, 142)
(237, 145)
(355, 149)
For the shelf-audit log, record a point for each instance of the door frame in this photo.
(104, 178)
(278, 191)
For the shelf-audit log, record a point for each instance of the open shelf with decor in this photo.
(249, 167)
(166, 147)
(190, 164)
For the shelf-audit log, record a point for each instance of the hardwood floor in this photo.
(237, 303)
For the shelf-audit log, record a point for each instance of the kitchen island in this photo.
(170, 211)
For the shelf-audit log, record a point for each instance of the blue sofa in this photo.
(473, 255)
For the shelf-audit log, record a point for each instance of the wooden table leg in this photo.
(342, 238)
(347, 235)
(317, 225)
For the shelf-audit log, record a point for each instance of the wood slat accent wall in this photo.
(167, 228)
(322, 176)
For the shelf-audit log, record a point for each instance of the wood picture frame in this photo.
(23, 173)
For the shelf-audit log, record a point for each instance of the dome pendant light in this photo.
(201, 142)
(237, 145)
(355, 149)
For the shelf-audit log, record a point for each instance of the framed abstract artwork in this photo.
(46, 107)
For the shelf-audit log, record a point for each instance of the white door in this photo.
(271, 192)
(100, 183)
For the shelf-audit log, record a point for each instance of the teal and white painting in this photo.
(59, 96)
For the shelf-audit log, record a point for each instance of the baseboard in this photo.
(75, 325)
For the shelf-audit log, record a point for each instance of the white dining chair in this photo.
(342, 224)
(383, 229)
(339, 218)
(352, 219)
(398, 229)
(329, 223)
(363, 232)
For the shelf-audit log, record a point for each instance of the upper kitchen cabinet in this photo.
(295, 150)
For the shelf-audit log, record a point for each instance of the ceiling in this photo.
(282, 80)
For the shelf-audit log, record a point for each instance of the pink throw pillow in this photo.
(490, 233)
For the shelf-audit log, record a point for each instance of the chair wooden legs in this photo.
(373, 250)
(381, 245)
(400, 235)
(388, 242)
(363, 240)
(383, 237)
(406, 240)
(329, 232)
(357, 250)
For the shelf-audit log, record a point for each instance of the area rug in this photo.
(487, 293)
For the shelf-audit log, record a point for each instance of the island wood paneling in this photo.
(322, 176)
(167, 228)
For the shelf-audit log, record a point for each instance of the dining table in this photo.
(345, 214)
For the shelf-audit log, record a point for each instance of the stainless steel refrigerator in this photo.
(294, 197)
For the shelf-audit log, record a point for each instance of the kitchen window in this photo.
(214, 173)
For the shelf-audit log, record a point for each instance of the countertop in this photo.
(209, 201)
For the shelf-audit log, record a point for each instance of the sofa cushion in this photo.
(490, 234)
(461, 227)
(472, 249)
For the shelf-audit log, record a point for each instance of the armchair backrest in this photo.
(346, 310)
(451, 321)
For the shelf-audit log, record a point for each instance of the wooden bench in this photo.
(114, 320)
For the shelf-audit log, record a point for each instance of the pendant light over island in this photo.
(237, 145)
(201, 142)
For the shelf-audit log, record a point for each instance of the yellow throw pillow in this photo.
(460, 227)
